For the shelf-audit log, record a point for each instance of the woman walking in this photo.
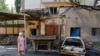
(21, 44)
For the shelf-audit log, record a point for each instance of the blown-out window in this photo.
(53, 10)
(96, 31)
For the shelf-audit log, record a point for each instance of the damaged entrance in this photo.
(33, 31)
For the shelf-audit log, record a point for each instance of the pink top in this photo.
(20, 42)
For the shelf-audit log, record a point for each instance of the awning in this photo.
(11, 16)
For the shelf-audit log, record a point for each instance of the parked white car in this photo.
(73, 46)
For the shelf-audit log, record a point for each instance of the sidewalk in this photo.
(12, 51)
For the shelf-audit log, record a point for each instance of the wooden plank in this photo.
(56, 4)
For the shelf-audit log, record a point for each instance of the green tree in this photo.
(17, 5)
(3, 6)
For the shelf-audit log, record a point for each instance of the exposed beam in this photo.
(56, 4)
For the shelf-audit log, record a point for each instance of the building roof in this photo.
(11, 16)
(31, 10)
(38, 13)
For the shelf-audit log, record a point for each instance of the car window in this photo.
(73, 42)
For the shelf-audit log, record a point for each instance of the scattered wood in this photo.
(8, 40)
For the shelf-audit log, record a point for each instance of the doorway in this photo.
(52, 30)
(75, 32)
(33, 31)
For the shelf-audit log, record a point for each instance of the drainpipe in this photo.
(63, 26)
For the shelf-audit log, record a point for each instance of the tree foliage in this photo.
(17, 5)
(3, 6)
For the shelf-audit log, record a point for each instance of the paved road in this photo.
(12, 51)
(8, 51)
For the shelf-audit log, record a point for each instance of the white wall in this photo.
(48, 0)
(55, 0)
(87, 2)
(32, 4)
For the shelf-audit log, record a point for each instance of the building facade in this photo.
(65, 20)
(75, 22)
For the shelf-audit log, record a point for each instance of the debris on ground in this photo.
(5, 40)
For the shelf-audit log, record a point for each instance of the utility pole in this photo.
(23, 8)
